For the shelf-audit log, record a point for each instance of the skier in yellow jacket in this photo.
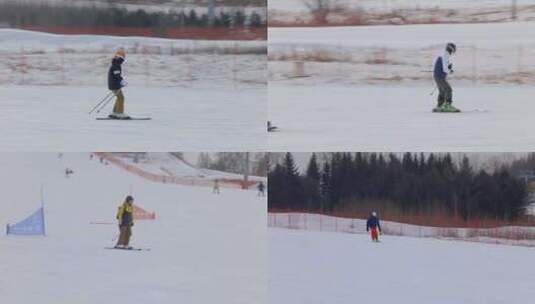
(125, 217)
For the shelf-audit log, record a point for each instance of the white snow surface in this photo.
(488, 34)
(399, 118)
(319, 267)
(55, 118)
(205, 248)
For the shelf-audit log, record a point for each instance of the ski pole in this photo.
(100, 102)
(433, 92)
(105, 104)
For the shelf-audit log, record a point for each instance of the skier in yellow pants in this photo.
(115, 84)
(125, 216)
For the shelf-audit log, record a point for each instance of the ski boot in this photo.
(118, 116)
(448, 107)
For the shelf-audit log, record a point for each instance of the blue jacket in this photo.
(438, 71)
(443, 66)
(115, 74)
(373, 222)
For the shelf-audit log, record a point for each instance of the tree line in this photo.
(235, 162)
(25, 14)
(411, 183)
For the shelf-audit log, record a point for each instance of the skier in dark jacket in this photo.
(125, 217)
(115, 84)
(373, 226)
(443, 67)
(261, 187)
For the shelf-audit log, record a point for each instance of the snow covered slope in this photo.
(369, 88)
(36, 58)
(201, 95)
(399, 118)
(167, 164)
(55, 118)
(316, 267)
(205, 248)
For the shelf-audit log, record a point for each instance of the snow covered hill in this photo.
(319, 267)
(169, 165)
(205, 248)
(492, 53)
(35, 58)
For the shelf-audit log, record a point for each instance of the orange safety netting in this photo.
(142, 214)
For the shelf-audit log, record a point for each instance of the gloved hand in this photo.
(124, 83)
(450, 67)
(132, 224)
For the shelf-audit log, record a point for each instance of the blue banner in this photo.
(32, 225)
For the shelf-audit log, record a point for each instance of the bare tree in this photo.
(320, 9)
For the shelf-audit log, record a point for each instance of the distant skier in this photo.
(270, 127)
(115, 84)
(216, 187)
(125, 216)
(373, 226)
(261, 187)
(443, 67)
(68, 172)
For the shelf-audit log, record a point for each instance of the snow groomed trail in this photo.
(205, 248)
(396, 118)
(54, 118)
(339, 268)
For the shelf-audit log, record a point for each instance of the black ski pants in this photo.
(445, 92)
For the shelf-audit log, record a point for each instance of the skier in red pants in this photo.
(373, 226)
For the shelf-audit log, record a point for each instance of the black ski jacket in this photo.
(115, 74)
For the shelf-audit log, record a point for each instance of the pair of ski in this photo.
(128, 248)
(126, 118)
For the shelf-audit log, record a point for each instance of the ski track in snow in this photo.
(53, 118)
(373, 118)
(205, 248)
(321, 268)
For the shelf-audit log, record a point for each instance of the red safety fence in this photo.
(506, 235)
(141, 214)
(223, 182)
(196, 33)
